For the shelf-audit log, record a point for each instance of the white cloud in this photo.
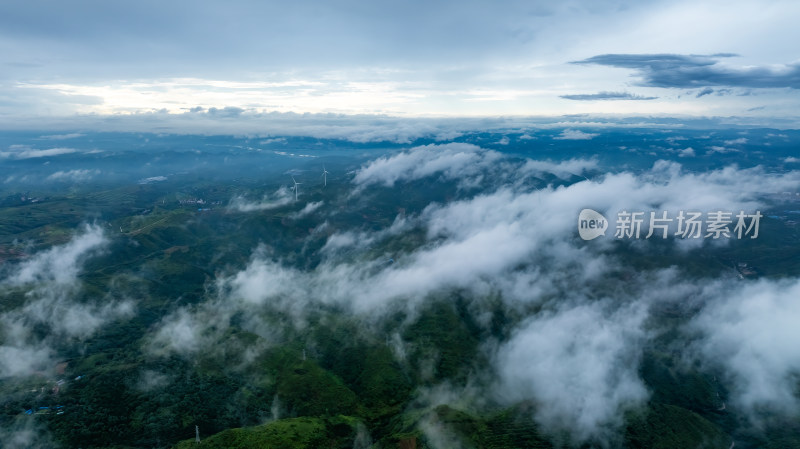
(447, 135)
(30, 153)
(263, 280)
(751, 329)
(76, 175)
(264, 123)
(674, 139)
(686, 152)
(575, 134)
(739, 141)
(62, 136)
(280, 140)
(516, 242)
(451, 161)
(721, 150)
(308, 209)
(438, 435)
(50, 282)
(562, 169)
(27, 433)
(357, 240)
(279, 198)
(181, 332)
(59, 265)
(23, 360)
(579, 364)
(479, 242)
(152, 179)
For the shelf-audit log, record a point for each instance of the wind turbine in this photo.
(295, 187)
(324, 176)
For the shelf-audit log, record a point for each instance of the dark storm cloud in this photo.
(687, 71)
(607, 96)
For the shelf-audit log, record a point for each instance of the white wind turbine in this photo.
(295, 187)
(324, 177)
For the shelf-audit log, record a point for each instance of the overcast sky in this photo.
(407, 58)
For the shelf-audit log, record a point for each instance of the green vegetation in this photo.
(330, 378)
(291, 433)
(667, 426)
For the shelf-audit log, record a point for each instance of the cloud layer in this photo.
(577, 356)
(691, 71)
(607, 96)
(451, 161)
(49, 281)
(751, 332)
(279, 198)
(580, 365)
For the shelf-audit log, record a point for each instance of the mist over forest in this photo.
(427, 291)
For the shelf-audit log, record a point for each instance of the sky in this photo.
(408, 59)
